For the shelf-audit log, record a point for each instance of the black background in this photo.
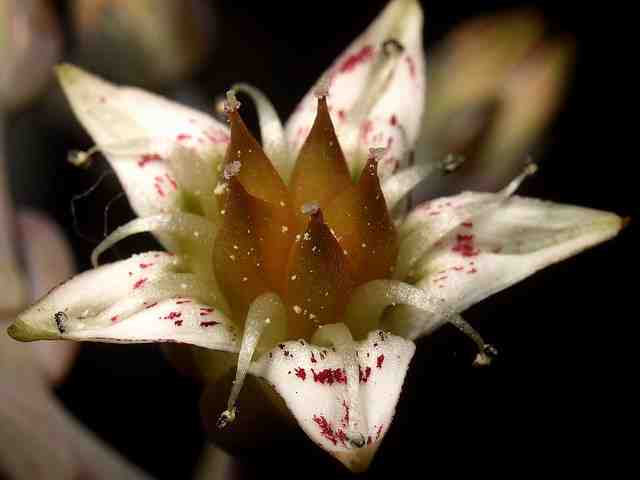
(552, 402)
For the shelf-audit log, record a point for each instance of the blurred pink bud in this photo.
(495, 84)
(30, 43)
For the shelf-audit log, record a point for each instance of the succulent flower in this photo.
(299, 255)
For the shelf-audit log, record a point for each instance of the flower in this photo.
(298, 255)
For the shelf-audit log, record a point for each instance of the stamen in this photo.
(402, 183)
(131, 147)
(368, 302)
(418, 242)
(451, 162)
(510, 189)
(378, 78)
(266, 311)
(180, 224)
(485, 350)
(379, 75)
(338, 336)
(82, 159)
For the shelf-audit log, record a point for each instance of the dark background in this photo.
(549, 404)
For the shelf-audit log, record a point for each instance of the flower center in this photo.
(311, 241)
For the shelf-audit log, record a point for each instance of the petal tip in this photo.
(25, 332)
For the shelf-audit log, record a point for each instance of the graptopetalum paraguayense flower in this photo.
(310, 270)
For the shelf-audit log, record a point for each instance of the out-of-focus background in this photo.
(545, 390)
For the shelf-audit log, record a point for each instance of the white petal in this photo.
(502, 243)
(137, 131)
(145, 298)
(313, 383)
(373, 102)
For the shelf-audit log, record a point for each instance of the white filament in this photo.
(181, 224)
(261, 312)
(397, 186)
(418, 242)
(339, 336)
(368, 302)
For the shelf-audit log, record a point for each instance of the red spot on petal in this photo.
(178, 323)
(205, 311)
(114, 318)
(465, 246)
(139, 283)
(393, 121)
(364, 374)
(325, 428)
(412, 66)
(467, 224)
(313, 358)
(149, 158)
(353, 60)
(301, 374)
(145, 265)
(182, 302)
(329, 376)
(183, 136)
(171, 181)
(208, 324)
(379, 361)
(151, 305)
(173, 315)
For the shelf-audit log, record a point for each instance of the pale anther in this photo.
(232, 104)
(451, 162)
(310, 208)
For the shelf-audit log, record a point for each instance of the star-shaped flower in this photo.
(298, 255)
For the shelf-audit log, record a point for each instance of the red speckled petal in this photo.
(361, 222)
(478, 244)
(395, 98)
(313, 383)
(137, 131)
(143, 299)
